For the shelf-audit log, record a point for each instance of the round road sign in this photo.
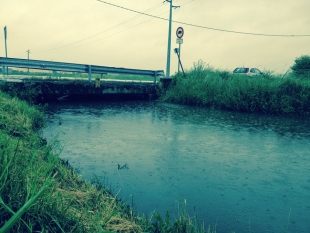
(180, 32)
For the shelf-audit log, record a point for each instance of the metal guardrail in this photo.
(72, 67)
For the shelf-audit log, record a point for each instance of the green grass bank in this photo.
(39, 192)
(287, 95)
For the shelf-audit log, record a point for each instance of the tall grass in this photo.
(184, 223)
(39, 192)
(271, 94)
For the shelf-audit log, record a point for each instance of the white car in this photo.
(248, 71)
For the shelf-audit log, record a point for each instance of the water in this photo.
(240, 172)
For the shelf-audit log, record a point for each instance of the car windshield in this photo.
(241, 70)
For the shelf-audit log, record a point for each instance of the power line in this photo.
(99, 33)
(109, 35)
(148, 10)
(205, 27)
(113, 27)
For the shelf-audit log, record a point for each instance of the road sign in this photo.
(180, 32)
(179, 41)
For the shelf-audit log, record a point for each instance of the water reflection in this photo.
(241, 171)
(283, 126)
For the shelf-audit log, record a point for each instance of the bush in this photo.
(301, 68)
(268, 93)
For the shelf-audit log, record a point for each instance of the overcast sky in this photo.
(96, 33)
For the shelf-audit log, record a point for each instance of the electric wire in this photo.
(124, 22)
(106, 36)
(157, 17)
(121, 23)
(205, 27)
(116, 26)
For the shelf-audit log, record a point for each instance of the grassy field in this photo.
(41, 193)
(269, 94)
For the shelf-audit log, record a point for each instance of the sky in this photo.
(222, 34)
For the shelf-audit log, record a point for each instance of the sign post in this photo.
(180, 33)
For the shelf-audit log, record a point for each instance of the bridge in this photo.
(48, 88)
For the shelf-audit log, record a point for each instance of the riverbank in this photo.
(42, 193)
(268, 94)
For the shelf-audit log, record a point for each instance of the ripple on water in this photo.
(243, 172)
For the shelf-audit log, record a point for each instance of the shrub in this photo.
(301, 67)
(268, 93)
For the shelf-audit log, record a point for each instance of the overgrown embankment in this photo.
(270, 94)
(41, 193)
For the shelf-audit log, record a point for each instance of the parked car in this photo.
(248, 71)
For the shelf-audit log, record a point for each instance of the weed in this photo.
(269, 94)
(39, 192)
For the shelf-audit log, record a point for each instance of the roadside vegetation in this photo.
(203, 85)
(39, 192)
(301, 67)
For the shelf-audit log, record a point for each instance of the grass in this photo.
(184, 223)
(39, 192)
(268, 94)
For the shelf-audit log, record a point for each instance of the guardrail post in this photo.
(155, 77)
(89, 73)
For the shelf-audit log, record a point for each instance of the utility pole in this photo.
(6, 50)
(169, 38)
(5, 36)
(28, 51)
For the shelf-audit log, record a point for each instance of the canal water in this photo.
(236, 171)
